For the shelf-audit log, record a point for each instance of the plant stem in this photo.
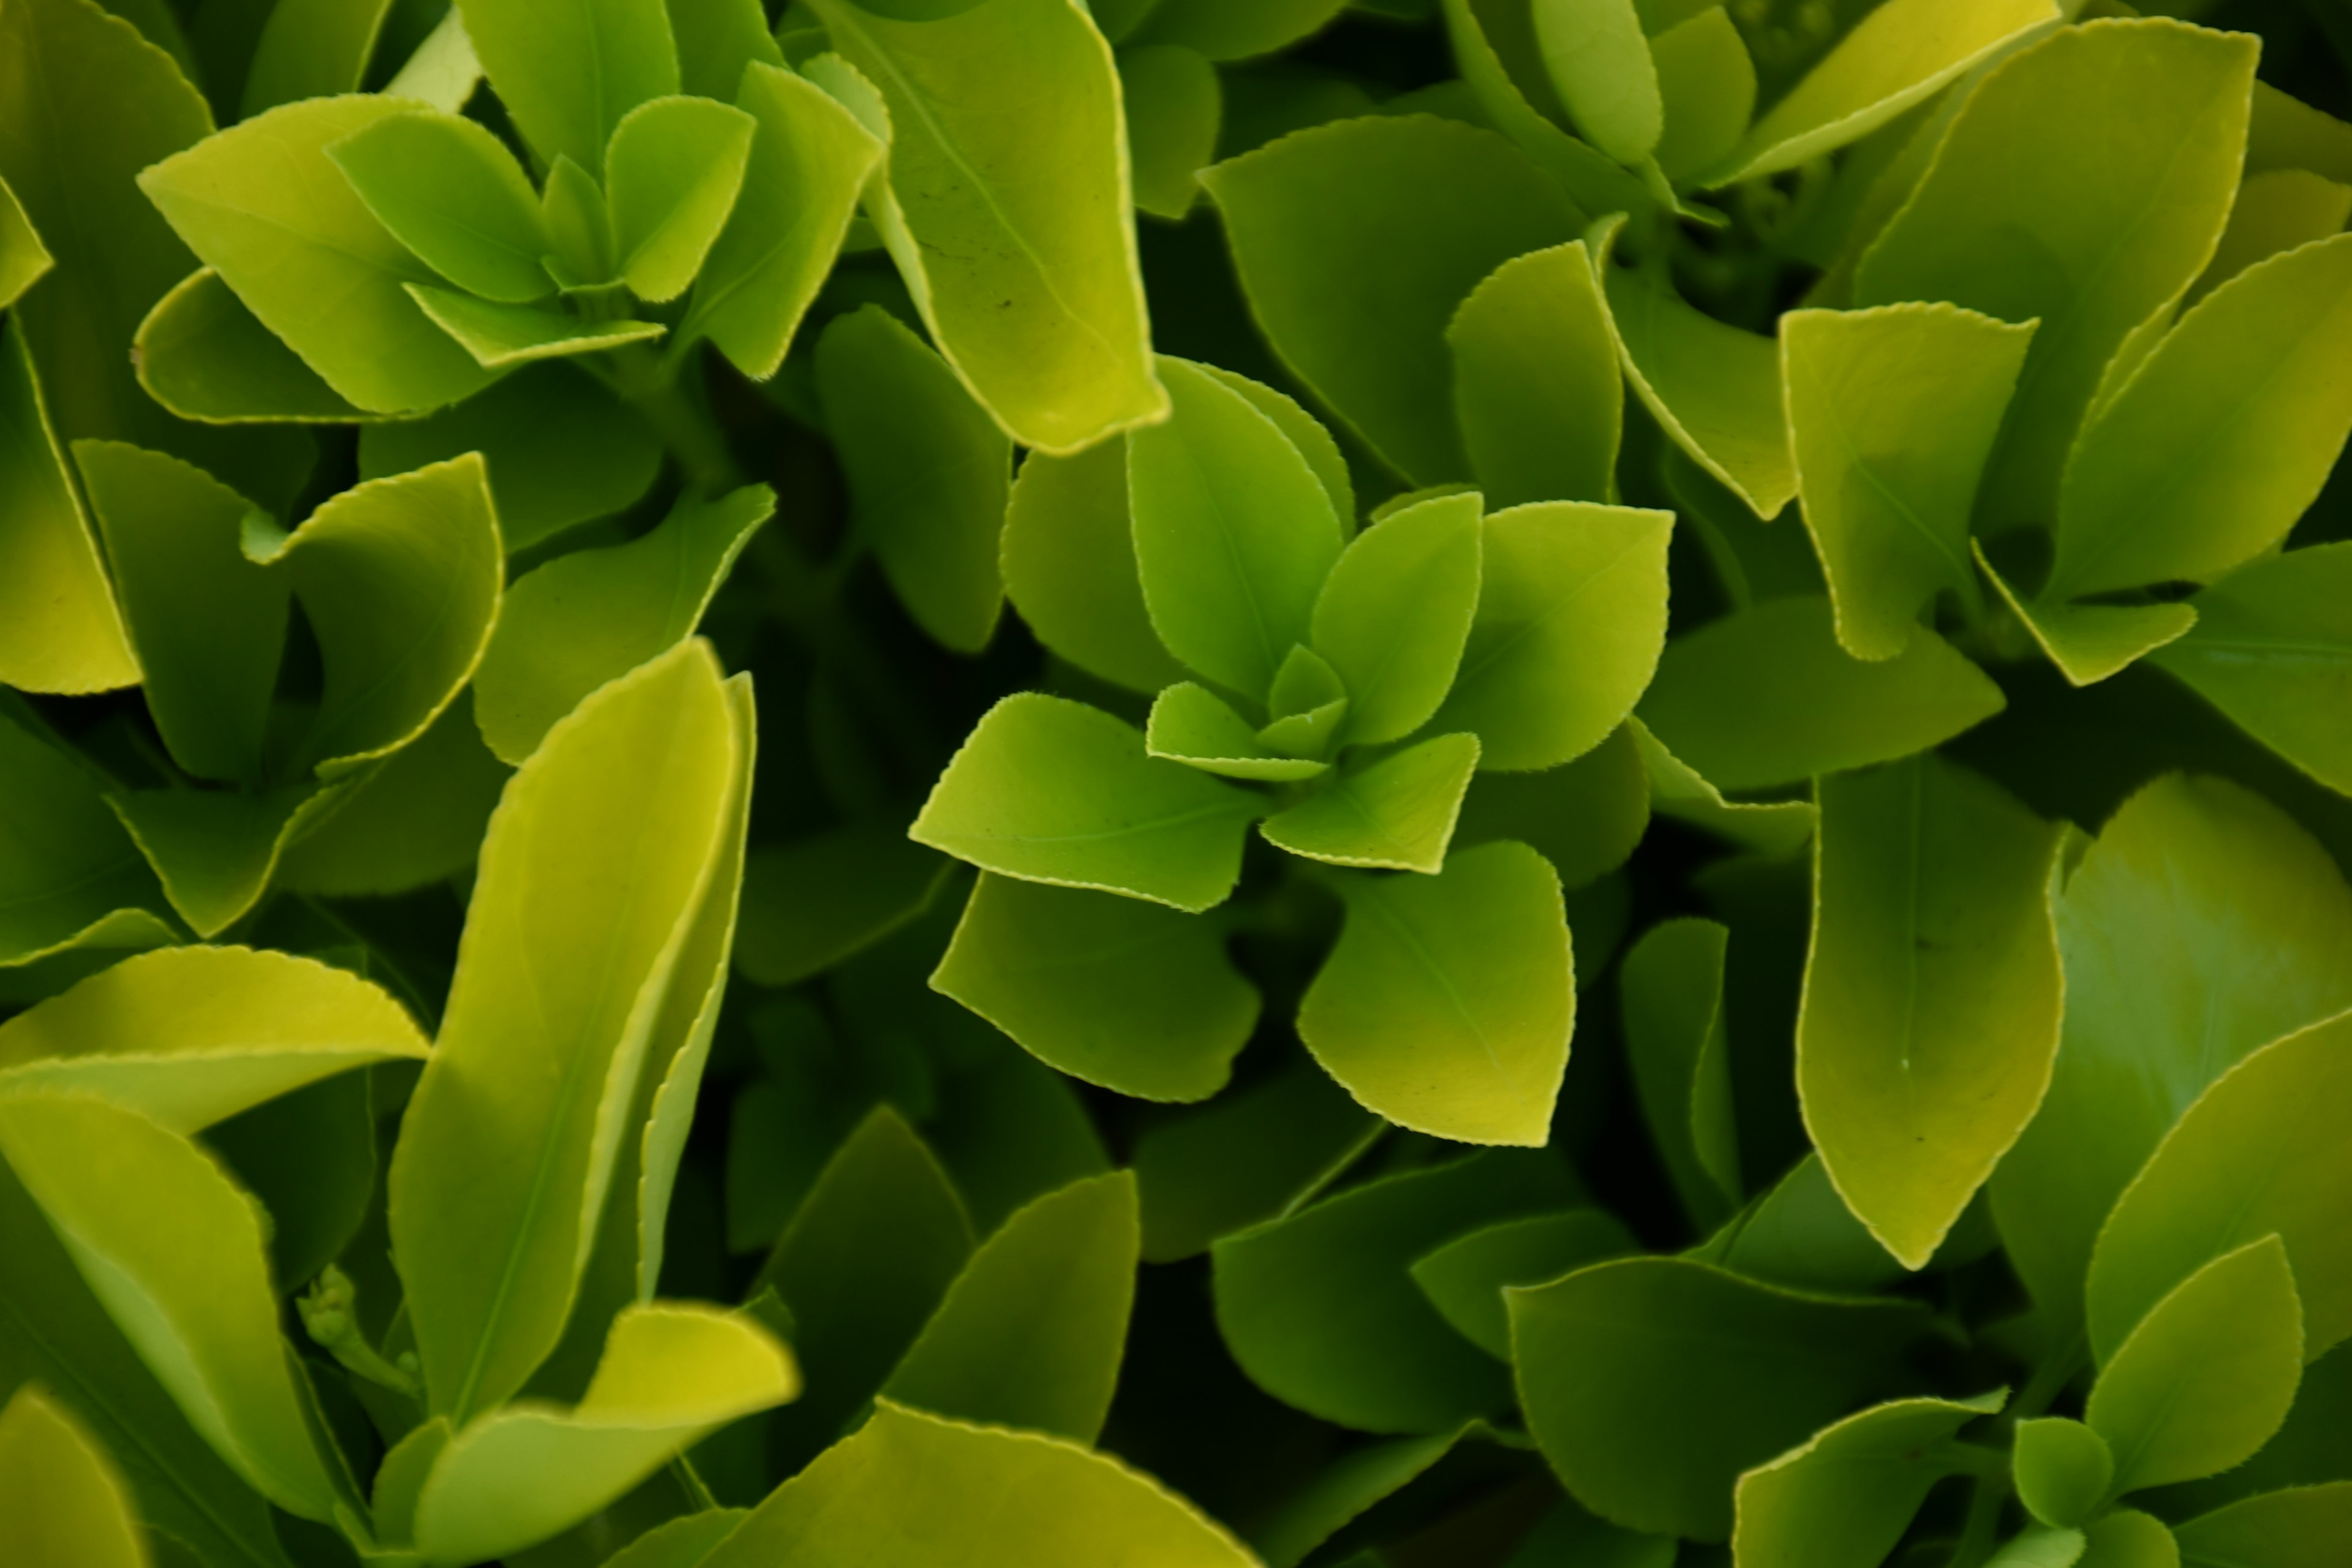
(660, 392)
(1990, 1489)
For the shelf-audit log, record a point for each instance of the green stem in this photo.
(1977, 1532)
(660, 392)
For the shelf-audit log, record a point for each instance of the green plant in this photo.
(417, 1009)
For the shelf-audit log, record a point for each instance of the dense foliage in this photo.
(1795, 546)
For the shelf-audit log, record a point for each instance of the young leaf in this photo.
(1394, 613)
(2221, 440)
(1586, 817)
(586, 618)
(1895, 57)
(1571, 615)
(1009, 165)
(1933, 992)
(2064, 1470)
(2089, 643)
(1234, 534)
(928, 472)
(1706, 82)
(1448, 1003)
(1345, 1489)
(2201, 925)
(1465, 1278)
(448, 190)
(2271, 649)
(569, 74)
(992, 1499)
(191, 1036)
(2207, 1375)
(501, 337)
(1192, 725)
(202, 355)
(1319, 1307)
(1892, 413)
(579, 228)
(1174, 108)
(208, 625)
(61, 1500)
(400, 580)
(263, 204)
(1599, 63)
(70, 877)
(1053, 791)
(2028, 211)
(2293, 1529)
(1671, 985)
(503, 1160)
(1253, 1155)
(1070, 569)
(1127, 994)
(1650, 1383)
(1030, 1333)
(175, 1251)
(671, 1372)
(1767, 696)
(1396, 814)
(1442, 204)
(215, 851)
(1537, 391)
(59, 628)
(671, 173)
(1846, 1497)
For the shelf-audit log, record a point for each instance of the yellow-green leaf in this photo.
(1070, 569)
(202, 355)
(2272, 649)
(1845, 1498)
(61, 1500)
(570, 73)
(1396, 814)
(1537, 390)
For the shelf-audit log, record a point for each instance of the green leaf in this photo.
(60, 628)
(671, 1372)
(501, 337)
(207, 624)
(191, 1036)
(1053, 791)
(2207, 1376)
(1800, 1235)
(1494, 45)
(1465, 1278)
(716, 40)
(1440, 204)
(215, 851)
(263, 204)
(24, 259)
(873, 1250)
(311, 48)
(1599, 63)
(579, 227)
(448, 190)
(1175, 106)
(671, 173)
(309, 1157)
(2247, 1160)
(1343, 1490)
(1895, 57)
(2221, 439)
(70, 877)
(2102, 231)
(2038, 1547)
(2278, 210)
(60, 1498)
(175, 1250)
(405, 823)
(2293, 1529)
(1192, 725)
(1233, 533)
(1306, 433)
(1650, 1383)
(1585, 817)
(1321, 1311)
(1254, 1154)
(1030, 1333)
(1846, 1497)
(547, 1023)
(586, 619)
(1537, 391)
(992, 1499)
(2126, 1538)
(2089, 643)
(928, 472)
(809, 904)
(1127, 994)
(684, 1541)
(1069, 567)
(1766, 697)
(1009, 165)
(2201, 925)
(2271, 649)
(1933, 992)
(1671, 987)
(1892, 413)
(1235, 29)
(400, 579)
(2064, 1470)
(1707, 81)
(1572, 615)
(569, 74)
(201, 355)
(562, 449)
(1448, 1003)
(1395, 611)
(1309, 704)
(1397, 814)
(1676, 790)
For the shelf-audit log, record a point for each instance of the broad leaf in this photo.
(1070, 568)
(501, 337)
(1394, 613)
(570, 73)
(1173, 106)
(1537, 391)
(1464, 1280)
(1707, 82)
(2272, 649)
(1599, 64)
(60, 1498)
(60, 628)
(1494, 44)
(1846, 1497)
(1397, 814)
(312, 48)
(2064, 1469)
(2293, 1529)
(716, 40)
(202, 355)
(1308, 433)
(1671, 987)
(2089, 643)
(671, 174)
(450, 191)
(1192, 725)
(2276, 210)
(1253, 1155)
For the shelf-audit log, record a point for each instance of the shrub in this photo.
(1114, 1064)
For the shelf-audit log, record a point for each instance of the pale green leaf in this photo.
(215, 851)
(2089, 643)
(2297, 1528)
(1537, 391)
(1069, 567)
(1846, 1497)
(2278, 210)
(1892, 413)
(443, 71)
(570, 73)
(1671, 987)
(1344, 1489)
(1253, 1155)
(1192, 725)
(449, 190)
(1235, 29)
(1706, 82)
(202, 355)
(23, 258)
(70, 876)
(1306, 433)
(1767, 696)
(1494, 45)
(671, 174)
(1465, 1278)
(1397, 813)
(809, 904)
(1448, 1003)
(501, 337)
(2064, 1469)
(1395, 611)
(1118, 992)
(61, 1500)
(2272, 649)
(1174, 108)
(589, 617)
(2039, 1547)
(1599, 64)
(1440, 204)
(1585, 817)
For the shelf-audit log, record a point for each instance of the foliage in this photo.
(1799, 547)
